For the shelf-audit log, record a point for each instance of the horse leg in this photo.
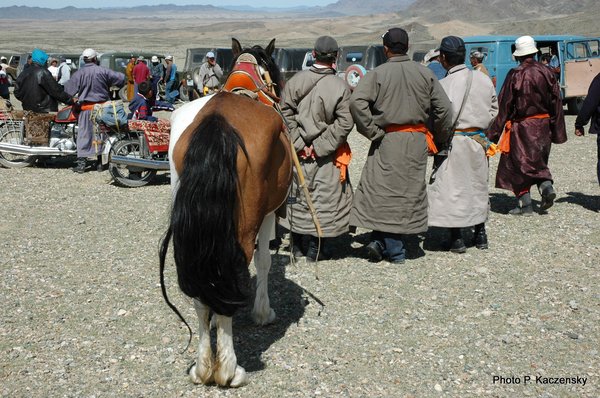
(202, 371)
(227, 371)
(262, 313)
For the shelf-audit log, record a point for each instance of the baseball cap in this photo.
(452, 44)
(141, 58)
(169, 58)
(89, 53)
(396, 39)
(210, 54)
(326, 45)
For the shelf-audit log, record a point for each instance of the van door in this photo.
(581, 63)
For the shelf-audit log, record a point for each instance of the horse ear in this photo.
(236, 47)
(270, 48)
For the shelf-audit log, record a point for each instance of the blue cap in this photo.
(39, 57)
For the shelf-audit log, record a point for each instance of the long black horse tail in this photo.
(164, 248)
(211, 265)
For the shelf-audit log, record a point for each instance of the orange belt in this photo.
(342, 158)
(89, 106)
(414, 128)
(504, 142)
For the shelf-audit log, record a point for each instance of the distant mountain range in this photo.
(498, 10)
(341, 8)
(427, 10)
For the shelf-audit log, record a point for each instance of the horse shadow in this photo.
(287, 300)
(589, 202)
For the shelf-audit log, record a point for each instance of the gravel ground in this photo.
(83, 316)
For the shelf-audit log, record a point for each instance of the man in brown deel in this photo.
(390, 107)
(530, 118)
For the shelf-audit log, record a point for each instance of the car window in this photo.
(121, 64)
(582, 49)
(308, 61)
(198, 58)
(354, 57)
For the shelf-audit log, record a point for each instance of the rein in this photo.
(250, 79)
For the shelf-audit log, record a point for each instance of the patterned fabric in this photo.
(157, 133)
(37, 128)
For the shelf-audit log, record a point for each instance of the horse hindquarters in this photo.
(211, 265)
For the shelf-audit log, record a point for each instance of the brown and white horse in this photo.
(231, 169)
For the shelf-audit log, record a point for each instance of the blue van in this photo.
(579, 58)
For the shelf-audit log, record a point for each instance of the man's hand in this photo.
(579, 131)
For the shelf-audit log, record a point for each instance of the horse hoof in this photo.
(261, 319)
(199, 376)
(239, 378)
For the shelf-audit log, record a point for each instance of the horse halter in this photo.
(250, 78)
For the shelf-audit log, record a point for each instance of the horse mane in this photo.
(264, 56)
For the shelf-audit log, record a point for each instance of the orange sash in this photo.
(342, 158)
(414, 128)
(504, 142)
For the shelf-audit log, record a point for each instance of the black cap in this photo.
(452, 44)
(396, 39)
(326, 45)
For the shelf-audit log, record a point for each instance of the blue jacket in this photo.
(140, 110)
(438, 70)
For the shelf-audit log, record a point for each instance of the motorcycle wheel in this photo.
(12, 135)
(129, 176)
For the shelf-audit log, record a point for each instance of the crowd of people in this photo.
(407, 111)
(40, 88)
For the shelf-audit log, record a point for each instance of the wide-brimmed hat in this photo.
(477, 55)
(169, 58)
(525, 45)
(154, 58)
(434, 52)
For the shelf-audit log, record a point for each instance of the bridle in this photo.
(249, 77)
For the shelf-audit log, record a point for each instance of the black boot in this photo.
(297, 245)
(457, 244)
(480, 239)
(524, 208)
(548, 194)
(375, 251)
(80, 165)
(314, 249)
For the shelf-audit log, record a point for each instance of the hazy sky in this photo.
(131, 3)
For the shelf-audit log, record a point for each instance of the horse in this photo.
(232, 168)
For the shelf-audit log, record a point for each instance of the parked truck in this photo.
(579, 59)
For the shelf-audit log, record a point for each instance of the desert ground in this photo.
(82, 313)
(173, 35)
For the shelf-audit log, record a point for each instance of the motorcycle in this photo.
(55, 136)
(133, 153)
(139, 154)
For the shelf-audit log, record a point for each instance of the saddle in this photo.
(250, 79)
